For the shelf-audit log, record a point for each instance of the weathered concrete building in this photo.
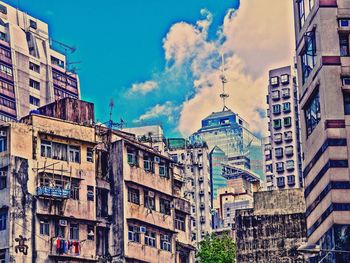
(274, 229)
(323, 62)
(32, 72)
(77, 192)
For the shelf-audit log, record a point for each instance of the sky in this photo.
(159, 60)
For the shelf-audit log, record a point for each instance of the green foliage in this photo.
(218, 249)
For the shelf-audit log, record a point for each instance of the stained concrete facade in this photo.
(282, 150)
(32, 72)
(322, 49)
(273, 229)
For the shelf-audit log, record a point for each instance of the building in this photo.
(217, 159)
(194, 160)
(322, 49)
(48, 185)
(272, 231)
(231, 134)
(32, 72)
(80, 192)
(241, 184)
(282, 151)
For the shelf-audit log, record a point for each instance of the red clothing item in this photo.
(57, 243)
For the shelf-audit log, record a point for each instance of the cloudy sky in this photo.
(159, 59)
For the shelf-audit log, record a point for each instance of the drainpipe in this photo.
(34, 255)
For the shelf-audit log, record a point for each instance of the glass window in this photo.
(150, 201)
(301, 11)
(274, 81)
(150, 238)
(74, 191)
(312, 113)
(346, 107)
(308, 55)
(90, 193)
(346, 81)
(33, 24)
(286, 93)
(277, 123)
(46, 149)
(3, 219)
(132, 158)
(6, 70)
(74, 154)
(3, 143)
(279, 152)
(44, 228)
(343, 22)
(133, 234)
(290, 164)
(344, 45)
(289, 150)
(180, 220)
(288, 135)
(90, 232)
(34, 84)
(90, 154)
(291, 179)
(287, 121)
(275, 94)
(276, 109)
(134, 195)
(165, 242)
(280, 181)
(34, 67)
(286, 107)
(34, 101)
(285, 79)
(279, 167)
(74, 232)
(164, 206)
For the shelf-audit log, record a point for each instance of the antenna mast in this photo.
(223, 95)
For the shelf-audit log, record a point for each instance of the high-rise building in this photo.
(32, 73)
(217, 158)
(322, 49)
(282, 150)
(231, 134)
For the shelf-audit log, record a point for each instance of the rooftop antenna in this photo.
(111, 106)
(223, 79)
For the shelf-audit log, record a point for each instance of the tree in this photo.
(218, 249)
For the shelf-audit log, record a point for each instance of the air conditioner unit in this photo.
(200, 151)
(3, 133)
(143, 229)
(200, 165)
(156, 159)
(151, 194)
(63, 222)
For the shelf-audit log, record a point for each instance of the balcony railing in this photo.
(53, 192)
(6, 76)
(5, 59)
(182, 205)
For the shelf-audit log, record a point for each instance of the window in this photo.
(280, 167)
(57, 62)
(3, 9)
(291, 180)
(275, 94)
(131, 158)
(277, 124)
(344, 45)
(46, 149)
(44, 228)
(3, 179)
(290, 165)
(274, 81)
(346, 97)
(34, 84)
(59, 229)
(287, 121)
(33, 24)
(279, 152)
(343, 22)
(3, 219)
(74, 191)
(289, 150)
(148, 165)
(301, 11)
(90, 193)
(285, 79)
(3, 143)
(180, 220)
(164, 206)
(6, 70)
(74, 154)
(134, 195)
(286, 93)
(90, 232)
(34, 67)
(308, 55)
(133, 234)
(276, 109)
(163, 171)
(286, 107)
(165, 242)
(74, 232)
(150, 238)
(90, 155)
(34, 101)
(312, 113)
(346, 81)
(7, 86)
(150, 201)
(280, 181)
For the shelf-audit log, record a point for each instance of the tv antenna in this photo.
(111, 123)
(223, 79)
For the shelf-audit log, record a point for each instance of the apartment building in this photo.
(282, 148)
(322, 49)
(195, 162)
(32, 72)
(47, 169)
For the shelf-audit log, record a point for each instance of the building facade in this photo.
(32, 73)
(231, 134)
(195, 161)
(273, 229)
(282, 150)
(322, 49)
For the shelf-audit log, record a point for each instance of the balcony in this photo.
(182, 205)
(51, 192)
(8, 110)
(5, 59)
(6, 76)
(7, 92)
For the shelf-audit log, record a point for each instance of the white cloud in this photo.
(144, 87)
(167, 109)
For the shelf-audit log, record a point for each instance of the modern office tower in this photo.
(32, 73)
(231, 134)
(322, 49)
(282, 150)
(194, 159)
(217, 158)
